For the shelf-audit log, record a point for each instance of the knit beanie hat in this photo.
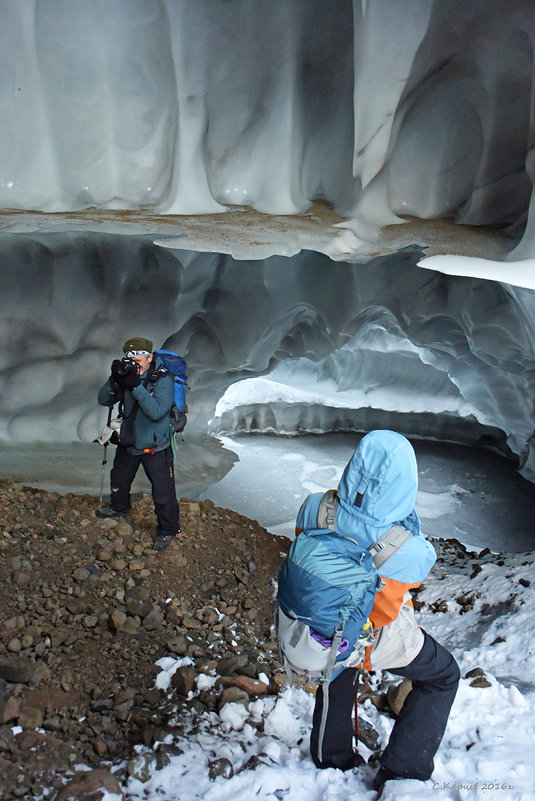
(137, 343)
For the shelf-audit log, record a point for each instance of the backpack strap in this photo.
(381, 551)
(327, 510)
(387, 545)
(158, 373)
(146, 382)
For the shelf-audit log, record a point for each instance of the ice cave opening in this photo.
(286, 346)
(326, 208)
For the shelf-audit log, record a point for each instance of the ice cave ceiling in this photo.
(150, 148)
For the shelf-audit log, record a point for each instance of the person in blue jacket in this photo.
(376, 491)
(147, 395)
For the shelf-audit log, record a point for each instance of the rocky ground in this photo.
(87, 609)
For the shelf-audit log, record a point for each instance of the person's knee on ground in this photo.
(420, 726)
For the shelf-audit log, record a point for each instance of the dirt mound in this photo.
(89, 607)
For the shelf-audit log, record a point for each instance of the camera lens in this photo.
(126, 367)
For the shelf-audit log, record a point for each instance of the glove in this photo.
(129, 381)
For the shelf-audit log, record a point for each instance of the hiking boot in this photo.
(109, 511)
(163, 541)
(381, 777)
(351, 763)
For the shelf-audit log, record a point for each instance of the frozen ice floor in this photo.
(473, 495)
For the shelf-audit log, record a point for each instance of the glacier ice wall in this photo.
(383, 109)
(446, 354)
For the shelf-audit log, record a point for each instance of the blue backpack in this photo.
(326, 590)
(176, 365)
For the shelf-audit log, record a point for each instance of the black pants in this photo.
(417, 731)
(159, 469)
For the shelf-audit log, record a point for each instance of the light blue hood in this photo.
(382, 477)
(378, 486)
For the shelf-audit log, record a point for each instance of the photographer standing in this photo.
(144, 390)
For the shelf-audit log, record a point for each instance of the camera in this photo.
(126, 366)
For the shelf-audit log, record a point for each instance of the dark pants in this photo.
(159, 470)
(417, 731)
